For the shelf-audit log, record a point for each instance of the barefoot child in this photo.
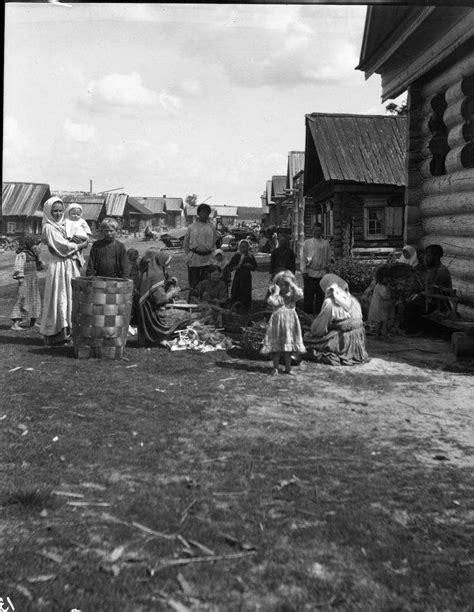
(283, 336)
(28, 303)
(381, 304)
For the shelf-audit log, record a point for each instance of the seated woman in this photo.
(156, 322)
(212, 290)
(337, 335)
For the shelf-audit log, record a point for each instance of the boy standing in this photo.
(108, 256)
(199, 243)
(314, 265)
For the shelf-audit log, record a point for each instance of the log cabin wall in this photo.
(440, 193)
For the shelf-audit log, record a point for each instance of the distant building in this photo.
(227, 215)
(354, 173)
(22, 205)
(251, 214)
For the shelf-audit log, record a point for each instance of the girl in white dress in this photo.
(283, 335)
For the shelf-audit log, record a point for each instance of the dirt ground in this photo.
(185, 481)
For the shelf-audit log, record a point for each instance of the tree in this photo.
(191, 199)
(395, 109)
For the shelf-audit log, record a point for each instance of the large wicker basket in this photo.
(100, 316)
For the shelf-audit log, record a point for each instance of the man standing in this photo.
(199, 243)
(314, 265)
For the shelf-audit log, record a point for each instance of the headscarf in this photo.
(247, 242)
(153, 265)
(70, 207)
(339, 296)
(48, 219)
(331, 279)
(413, 259)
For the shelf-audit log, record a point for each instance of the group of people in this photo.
(336, 334)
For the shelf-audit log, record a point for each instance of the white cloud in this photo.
(82, 132)
(120, 91)
(192, 87)
(171, 104)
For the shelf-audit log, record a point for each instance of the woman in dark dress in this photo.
(243, 263)
(157, 321)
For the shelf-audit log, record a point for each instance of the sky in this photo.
(174, 99)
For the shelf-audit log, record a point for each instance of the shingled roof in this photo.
(23, 199)
(366, 149)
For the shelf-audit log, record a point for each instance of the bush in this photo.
(358, 275)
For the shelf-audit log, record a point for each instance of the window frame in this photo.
(375, 203)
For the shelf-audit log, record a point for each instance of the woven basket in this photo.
(252, 342)
(100, 316)
(233, 321)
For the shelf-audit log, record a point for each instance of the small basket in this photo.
(252, 342)
(233, 321)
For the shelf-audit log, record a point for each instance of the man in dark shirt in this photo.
(283, 257)
(108, 256)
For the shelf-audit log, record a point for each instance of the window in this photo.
(133, 222)
(11, 227)
(328, 219)
(380, 220)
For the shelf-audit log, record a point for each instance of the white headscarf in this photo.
(48, 219)
(413, 259)
(339, 296)
(70, 207)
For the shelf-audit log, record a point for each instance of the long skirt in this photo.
(283, 333)
(241, 290)
(157, 324)
(339, 346)
(57, 299)
(28, 303)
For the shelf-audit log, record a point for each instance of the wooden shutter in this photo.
(394, 220)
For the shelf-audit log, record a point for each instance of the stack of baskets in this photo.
(100, 316)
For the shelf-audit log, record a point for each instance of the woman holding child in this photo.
(156, 320)
(64, 266)
(337, 335)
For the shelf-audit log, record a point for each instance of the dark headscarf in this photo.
(152, 268)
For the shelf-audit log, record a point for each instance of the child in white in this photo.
(381, 306)
(283, 335)
(77, 226)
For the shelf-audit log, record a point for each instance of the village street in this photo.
(188, 481)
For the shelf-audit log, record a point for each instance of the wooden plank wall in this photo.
(440, 209)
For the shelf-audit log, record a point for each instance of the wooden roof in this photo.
(23, 199)
(295, 165)
(404, 43)
(250, 212)
(278, 186)
(91, 211)
(225, 211)
(136, 206)
(366, 149)
(115, 204)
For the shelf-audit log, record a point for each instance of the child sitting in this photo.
(381, 307)
(77, 228)
(283, 335)
(212, 290)
(108, 256)
(218, 259)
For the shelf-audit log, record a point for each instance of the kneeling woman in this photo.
(155, 319)
(337, 335)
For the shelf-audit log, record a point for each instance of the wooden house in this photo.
(115, 204)
(22, 205)
(354, 173)
(138, 216)
(294, 201)
(276, 196)
(156, 206)
(429, 51)
(227, 215)
(249, 215)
